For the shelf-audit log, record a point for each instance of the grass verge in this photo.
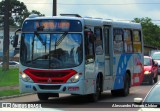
(9, 92)
(10, 77)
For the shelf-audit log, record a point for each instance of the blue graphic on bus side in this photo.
(121, 70)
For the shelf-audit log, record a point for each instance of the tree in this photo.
(151, 32)
(37, 12)
(19, 12)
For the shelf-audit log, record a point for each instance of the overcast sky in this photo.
(109, 9)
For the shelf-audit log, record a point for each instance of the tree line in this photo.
(151, 31)
(19, 12)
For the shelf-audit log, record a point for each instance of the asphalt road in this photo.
(68, 102)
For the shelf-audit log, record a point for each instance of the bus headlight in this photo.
(74, 78)
(26, 78)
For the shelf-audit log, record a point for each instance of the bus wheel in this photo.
(95, 96)
(115, 92)
(125, 90)
(42, 96)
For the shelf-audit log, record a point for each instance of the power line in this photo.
(156, 20)
(99, 4)
(115, 4)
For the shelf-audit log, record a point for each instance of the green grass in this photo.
(9, 92)
(10, 77)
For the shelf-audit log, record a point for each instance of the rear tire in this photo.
(125, 91)
(115, 92)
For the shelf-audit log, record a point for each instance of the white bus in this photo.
(75, 55)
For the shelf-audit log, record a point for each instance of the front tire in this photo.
(95, 96)
(42, 96)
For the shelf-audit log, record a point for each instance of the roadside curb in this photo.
(14, 96)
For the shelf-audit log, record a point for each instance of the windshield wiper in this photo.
(39, 37)
(61, 38)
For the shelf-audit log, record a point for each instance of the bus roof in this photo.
(88, 21)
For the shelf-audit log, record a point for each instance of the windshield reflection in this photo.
(51, 50)
(153, 96)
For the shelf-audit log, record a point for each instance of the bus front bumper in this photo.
(68, 88)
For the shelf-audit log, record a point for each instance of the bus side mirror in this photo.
(15, 40)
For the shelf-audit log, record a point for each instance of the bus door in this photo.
(106, 47)
(89, 62)
(108, 70)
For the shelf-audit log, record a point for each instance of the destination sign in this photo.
(52, 25)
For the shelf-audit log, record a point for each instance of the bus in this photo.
(79, 55)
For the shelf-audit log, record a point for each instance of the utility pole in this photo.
(54, 7)
(6, 36)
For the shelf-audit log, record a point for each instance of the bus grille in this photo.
(49, 76)
(50, 87)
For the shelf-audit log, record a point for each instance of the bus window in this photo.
(137, 45)
(128, 47)
(98, 42)
(106, 39)
(118, 41)
(89, 46)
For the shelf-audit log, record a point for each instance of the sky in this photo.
(107, 9)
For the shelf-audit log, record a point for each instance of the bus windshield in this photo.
(51, 51)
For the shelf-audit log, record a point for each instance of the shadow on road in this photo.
(77, 101)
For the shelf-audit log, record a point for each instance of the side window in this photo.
(118, 41)
(128, 47)
(137, 45)
(98, 41)
(89, 45)
(106, 40)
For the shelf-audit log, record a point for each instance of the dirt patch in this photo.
(2, 88)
